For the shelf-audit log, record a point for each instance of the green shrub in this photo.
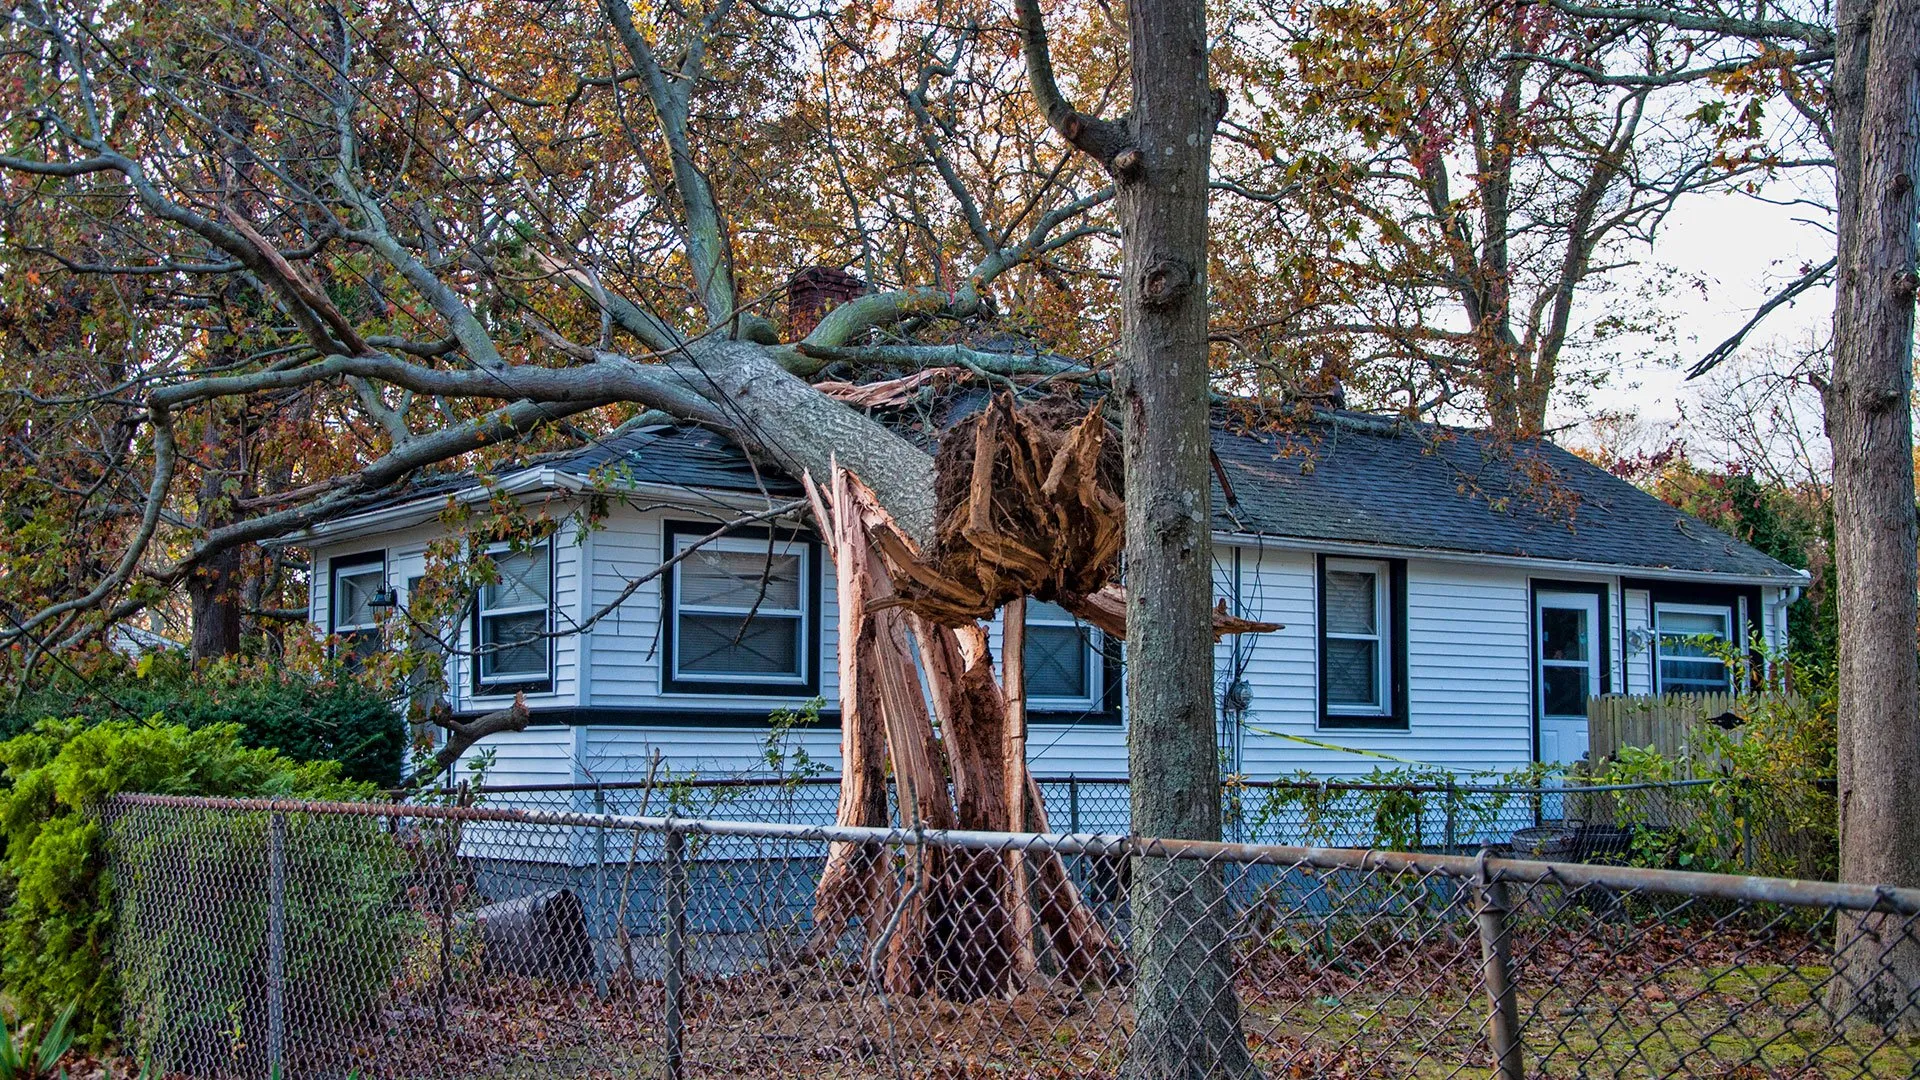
(307, 718)
(55, 945)
(1769, 805)
(195, 888)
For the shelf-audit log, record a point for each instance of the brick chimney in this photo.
(813, 292)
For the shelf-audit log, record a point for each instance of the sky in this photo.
(1743, 250)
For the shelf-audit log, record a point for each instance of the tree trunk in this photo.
(1876, 122)
(1187, 1021)
(214, 590)
(214, 593)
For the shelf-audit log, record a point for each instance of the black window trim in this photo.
(723, 686)
(1396, 717)
(482, 687)
(356, 561)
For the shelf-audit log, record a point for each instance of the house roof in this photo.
(1347, 478)
(676, 457)
(1361, 480)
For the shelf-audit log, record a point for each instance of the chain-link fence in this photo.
(1574, 821)
(369, 940)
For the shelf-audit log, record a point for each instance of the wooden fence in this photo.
(1669, 723)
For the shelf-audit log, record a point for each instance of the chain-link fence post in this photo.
(276, 945)
(1452, 829)
(675, 883)
(1496, 972)
(1073, 803)
(599, 892)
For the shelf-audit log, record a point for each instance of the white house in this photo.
(1445, 598)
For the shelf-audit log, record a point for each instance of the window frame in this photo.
(1390, 599)
(352, 566)
(1094, 643)
(1727, 612)
(498, 686)
(727, 684)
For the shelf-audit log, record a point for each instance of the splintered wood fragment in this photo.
(855, 879)
(1106, 610)
(887, 392)
(1013, 681)
(964, 928)
(979, 516)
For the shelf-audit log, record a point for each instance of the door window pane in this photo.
(1565, 690)
(1563, 633)
(353, 602)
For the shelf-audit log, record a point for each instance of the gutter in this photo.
(528, 481)
(1795, 580)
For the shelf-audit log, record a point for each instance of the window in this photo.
(1685, 634)
(1361, 684)
(1064, 662)
(359, 588)
(741, 615)
(512, 621)
(426, 681)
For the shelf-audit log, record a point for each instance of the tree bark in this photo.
(1876, 123)
(1187, 1020)
(214, 588)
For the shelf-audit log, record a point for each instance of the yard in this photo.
(1332, 998)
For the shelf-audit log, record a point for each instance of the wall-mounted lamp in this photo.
(384, 597)
(1639, 639)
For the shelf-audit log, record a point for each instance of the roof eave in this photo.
(1790, 579)
(414, 511)
(526, 482)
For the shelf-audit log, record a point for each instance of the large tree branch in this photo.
(1812, 34)
(463, 734)
(1719, 353)
(1106, 141)
(670, 95)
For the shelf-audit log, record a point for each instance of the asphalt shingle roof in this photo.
(677, 457)
(1418, 486)
(1351, 479)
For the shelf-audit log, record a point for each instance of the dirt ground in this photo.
(1382, 1002)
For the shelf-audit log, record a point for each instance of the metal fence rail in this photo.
(415, 941)
(1571, 820)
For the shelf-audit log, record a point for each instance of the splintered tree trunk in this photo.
(958, 922)
(1187, 1019)
(1876, 107)
(854, 884)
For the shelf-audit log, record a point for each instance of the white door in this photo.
(1568, 653)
